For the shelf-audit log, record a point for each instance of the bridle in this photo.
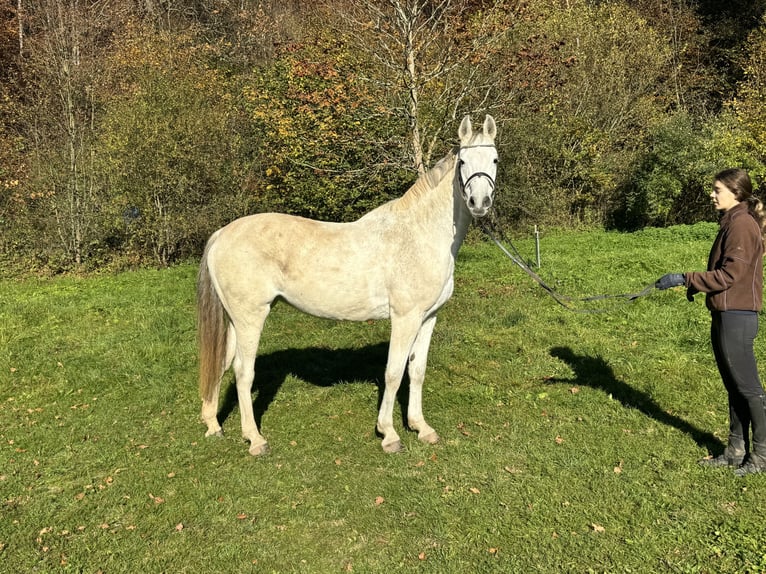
(464, 184)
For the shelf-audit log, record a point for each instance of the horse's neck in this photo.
(444, 206)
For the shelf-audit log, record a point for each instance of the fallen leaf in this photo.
(422, 556)
(179, 527)
(474, 490)
(241, 516)
(597, 528)
(574, 390)
(559, 440)
(379, 500)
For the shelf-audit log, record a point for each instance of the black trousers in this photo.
(732, 334)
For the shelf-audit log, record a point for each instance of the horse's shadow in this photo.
(322, 367)
(596, 373)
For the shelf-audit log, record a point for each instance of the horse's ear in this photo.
(490, 129)
(465, 131)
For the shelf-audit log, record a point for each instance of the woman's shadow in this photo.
(322, 367)
(595, 372)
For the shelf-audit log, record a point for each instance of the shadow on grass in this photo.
(321, 367)
(596, 373)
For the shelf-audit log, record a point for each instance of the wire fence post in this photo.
(537, 246)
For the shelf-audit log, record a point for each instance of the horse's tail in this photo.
(212, 324)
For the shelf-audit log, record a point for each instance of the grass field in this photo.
(569, 440)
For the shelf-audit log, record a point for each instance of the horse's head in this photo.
(477, 165)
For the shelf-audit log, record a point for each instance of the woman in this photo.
(733, 284)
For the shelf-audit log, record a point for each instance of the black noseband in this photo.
(477, 174)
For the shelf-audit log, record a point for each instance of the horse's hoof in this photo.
(218, 433)
(394, 447)
(430, 438)
(259, 449)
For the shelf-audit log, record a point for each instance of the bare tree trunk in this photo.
(407, 22)
(19, 14)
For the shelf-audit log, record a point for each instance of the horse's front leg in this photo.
(403, 333)
(417, 372)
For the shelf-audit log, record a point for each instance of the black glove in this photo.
(690, 293)
(670, 280)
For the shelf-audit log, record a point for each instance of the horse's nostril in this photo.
(487, 201)
(471, 202)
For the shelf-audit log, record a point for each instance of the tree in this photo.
(60, 75)
(587, 80)
(427, 63)
(325, 155)
(749, 105)
(11, 160)
(166, 145)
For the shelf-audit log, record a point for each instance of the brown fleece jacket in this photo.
(734, 277)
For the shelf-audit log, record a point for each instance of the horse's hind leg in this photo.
(210, 407)
(417, 372)
(244, 371)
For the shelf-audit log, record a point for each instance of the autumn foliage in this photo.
(128, 135)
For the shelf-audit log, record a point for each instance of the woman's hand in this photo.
(670, 280)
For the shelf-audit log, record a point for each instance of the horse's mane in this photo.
(427, 181)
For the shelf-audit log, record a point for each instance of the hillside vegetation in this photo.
(132, 129)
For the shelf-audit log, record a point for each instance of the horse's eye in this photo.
(496, 161)
(461, 163)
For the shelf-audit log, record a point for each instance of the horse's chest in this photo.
(445, 294)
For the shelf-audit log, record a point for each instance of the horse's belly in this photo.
(339, 302)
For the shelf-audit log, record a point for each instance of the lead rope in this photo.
(563, 300)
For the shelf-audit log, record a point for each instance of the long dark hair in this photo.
(738, 181)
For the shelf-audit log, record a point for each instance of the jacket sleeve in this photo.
(737, 246)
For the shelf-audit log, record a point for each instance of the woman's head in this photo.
(737, 181)
(733, 186)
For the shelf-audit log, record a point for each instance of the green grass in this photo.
(569, 440)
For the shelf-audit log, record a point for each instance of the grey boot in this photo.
(733, 454)
(756, 462)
